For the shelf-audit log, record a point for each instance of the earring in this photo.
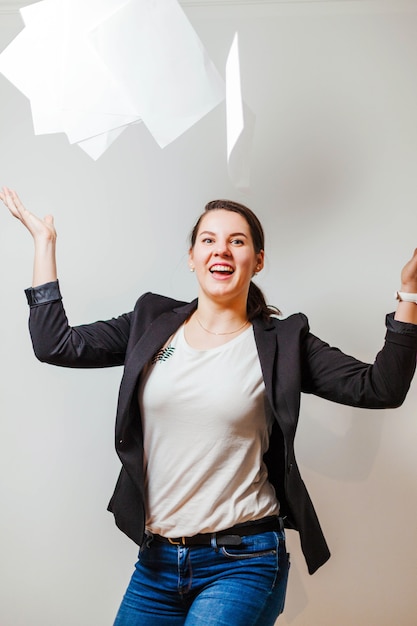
(191, 268)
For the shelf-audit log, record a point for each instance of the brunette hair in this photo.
(256, 303)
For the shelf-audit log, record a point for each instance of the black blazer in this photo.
(292, 361)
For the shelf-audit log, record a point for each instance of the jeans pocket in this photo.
(246, 555)
(253, 547)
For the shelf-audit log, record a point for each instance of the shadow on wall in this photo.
(326, 162)
(337, 441)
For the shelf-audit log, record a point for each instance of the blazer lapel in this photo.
(267, 345)
(278, 370)
(150, 342)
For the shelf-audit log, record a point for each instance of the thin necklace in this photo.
(230, 332)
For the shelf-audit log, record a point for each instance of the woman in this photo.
(207, 414)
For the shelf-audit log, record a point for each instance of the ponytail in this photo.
(257, 306)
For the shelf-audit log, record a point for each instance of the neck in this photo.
(219, 320)
(224, 332)
(215, 310)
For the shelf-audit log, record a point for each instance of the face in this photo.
(224, 257)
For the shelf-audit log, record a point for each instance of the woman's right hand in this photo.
(43, 233)
(38, 228)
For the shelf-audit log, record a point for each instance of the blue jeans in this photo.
(208, 586)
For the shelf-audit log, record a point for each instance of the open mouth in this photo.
(225, 270)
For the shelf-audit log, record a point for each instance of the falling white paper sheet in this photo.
(162, 64)
(240, 123)
(90, 68)
(96, 146)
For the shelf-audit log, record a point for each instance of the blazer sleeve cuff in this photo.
(43, 294)
(402, 333)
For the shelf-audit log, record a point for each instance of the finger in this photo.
(6, 194)
(9, 199)
(15, 206)
(6, 198)
(3, 194)
(17, 201)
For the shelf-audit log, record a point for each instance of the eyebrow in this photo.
(209, 232)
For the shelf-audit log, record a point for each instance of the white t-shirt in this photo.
(205, 433)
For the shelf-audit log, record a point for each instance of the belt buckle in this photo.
(180, 541)
(229, 540)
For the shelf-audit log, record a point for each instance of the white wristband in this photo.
(404, 296)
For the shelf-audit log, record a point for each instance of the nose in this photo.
(222, 249)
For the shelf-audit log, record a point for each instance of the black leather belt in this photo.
(228, 537)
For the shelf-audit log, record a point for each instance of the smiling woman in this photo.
(207, 414)
(224, 259)
(227, 250)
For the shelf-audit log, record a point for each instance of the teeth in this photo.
(221, 268)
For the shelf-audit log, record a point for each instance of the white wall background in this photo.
(334, 180)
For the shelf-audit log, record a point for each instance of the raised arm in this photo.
(44, 237)
(100, 344)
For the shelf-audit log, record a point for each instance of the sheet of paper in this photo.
(240, 123)
(32, 62)
(161, 64)
(89, 85)
(92, 67)
(96, 146)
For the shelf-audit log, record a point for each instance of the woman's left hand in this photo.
(409, 275)
(407, 311)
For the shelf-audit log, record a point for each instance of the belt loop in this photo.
(147, 540)
(213, 542)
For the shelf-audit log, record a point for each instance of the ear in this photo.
(190, 258)
(260, 258)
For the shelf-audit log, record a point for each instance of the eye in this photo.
(238, 242)
(207, 240)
